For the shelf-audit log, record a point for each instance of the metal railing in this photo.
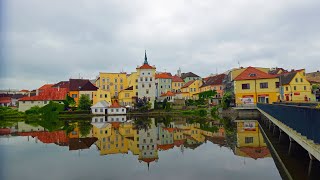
(304, 120)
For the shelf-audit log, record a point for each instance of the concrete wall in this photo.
(117, 110)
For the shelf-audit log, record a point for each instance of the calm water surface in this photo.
(134, 148)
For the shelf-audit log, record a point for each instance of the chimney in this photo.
(37, 92)
(58, 88)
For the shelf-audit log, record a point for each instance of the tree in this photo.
(226, 100)
(69, 102)
(143, 104)
(84, 102)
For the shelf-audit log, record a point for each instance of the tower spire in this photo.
(145, 57)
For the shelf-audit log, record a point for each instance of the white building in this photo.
(116, 109)
(100, 107)
(146, 81)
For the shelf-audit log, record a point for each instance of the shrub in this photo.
(33, 110)
(84, 103)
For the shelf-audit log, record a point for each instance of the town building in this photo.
(169, 96)
(189, 76)
(5, 101)
(146, 81)
(44, 97)
(176, 84)
(101, 95)
(116, 109)
(112, 82)
(295, 87)
(127, 97)
(100, 107)
(191, 89)
(132, 80)
(78, 87)
(214, 83)
(253, 85)
(163, 83)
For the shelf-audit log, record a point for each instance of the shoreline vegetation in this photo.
(67, 110)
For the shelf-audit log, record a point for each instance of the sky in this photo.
(46, 41)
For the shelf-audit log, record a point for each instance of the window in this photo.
(142, 85)
(117, 110)
(168, 86)
(95, 110)
(287, 89)
(151, 141)
(74, 95)
(103, 80)
(301, 79)
(194, 89)
(122, 111)
(108, 87)
(100, 95)
(295, 88)
(142, 73)
(148, 73)
(147, 91)
(144, 141)
(111, 110)
(305, 87)
(108, 80)
(151, 79)
(121, 87)
(149, 85)
(45, 102)
(115, 80)
(245, 86)
(146, 79)
(115, 87)
(296, 79)
(127, 95)
(101, 110)
(263, 85)
(141, 79)
(121, 80)
(248, 140)
(136, 86)
(277, 84)
(105, 95)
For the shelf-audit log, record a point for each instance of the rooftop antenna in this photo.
(239, 63)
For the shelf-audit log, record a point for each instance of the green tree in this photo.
(226, 100)
(84, 102)
(84, 128)
(69, 102)
(33, 110)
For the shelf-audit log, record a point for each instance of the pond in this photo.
(135, 148)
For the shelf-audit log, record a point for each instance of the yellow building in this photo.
(237, 71)
(110, 141)
(132, 80)
(250, 142)
(112, 82)
(100, 95)
(78, 87)
(192, 88)
(253, 85)
(126, 97)
(295, 87)
(176, 84)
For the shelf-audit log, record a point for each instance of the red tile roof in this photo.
(176, 78)
(252, 73)
(115, 105)
(50, 94)
(46, 86)
(178, 143)
(165, 147)
(255, 152)
(5, 131)
(169, 129)
(169, 93)
(214, 80)
(146, 66)
(5, 99)
(188, 84)
(24, 90)
(163, 76)
(148, 160)
(56, 137)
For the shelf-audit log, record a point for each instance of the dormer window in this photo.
(252, 75)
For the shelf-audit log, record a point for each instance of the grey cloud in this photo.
(48, 41)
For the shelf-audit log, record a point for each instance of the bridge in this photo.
(300, 123)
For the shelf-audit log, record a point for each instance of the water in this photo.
(135, 148)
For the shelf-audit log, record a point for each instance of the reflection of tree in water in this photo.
(230, 130)
(142, 123)
(166, 120)
(84, 127)
(51, 122)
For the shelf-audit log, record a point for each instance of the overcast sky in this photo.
(46, 41)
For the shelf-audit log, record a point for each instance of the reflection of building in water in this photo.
(57, 137)
(250, 142)
(165, 137)
(148, 143)
(23, 127)
(117, 118)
